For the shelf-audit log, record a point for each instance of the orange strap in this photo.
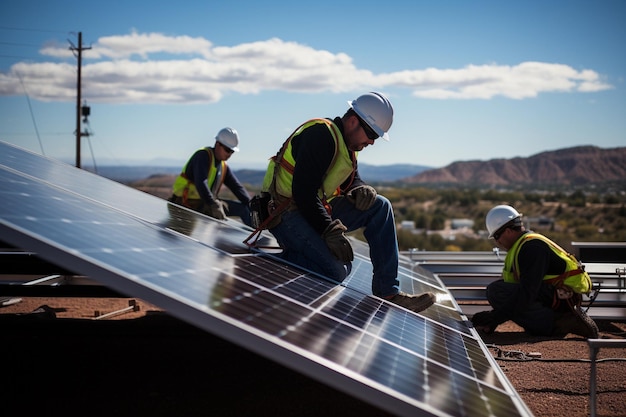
(256, 234)
(561, 278)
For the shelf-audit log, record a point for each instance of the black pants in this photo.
(537, 319)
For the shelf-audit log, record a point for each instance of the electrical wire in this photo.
(31, 29)
(32, 115)
(519, 356)
(93, 157)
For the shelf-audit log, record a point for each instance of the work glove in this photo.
(362, 196)
(224, 205)
(337, 241)
(485, 321)
(216, 210)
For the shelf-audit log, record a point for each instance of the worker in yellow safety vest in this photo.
(542, 284)
(198, 185)
(316, 195)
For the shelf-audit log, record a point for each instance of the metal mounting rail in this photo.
(594, 347)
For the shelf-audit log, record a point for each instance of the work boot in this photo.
(414, 302)
(575, 321)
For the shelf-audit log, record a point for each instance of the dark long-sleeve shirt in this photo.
(313, 151)
(197, 171)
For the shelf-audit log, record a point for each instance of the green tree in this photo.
(577, 199)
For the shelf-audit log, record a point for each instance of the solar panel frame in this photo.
(337, 333)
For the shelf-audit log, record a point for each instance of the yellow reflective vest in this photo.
(186, 189)
(280, 169)
(574, 276)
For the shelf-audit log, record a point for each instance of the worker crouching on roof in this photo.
(198, 185)
(541, 283)
(317, 196)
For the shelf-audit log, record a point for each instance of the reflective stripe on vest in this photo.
(185, 188)
(340, 169)
(574, 276)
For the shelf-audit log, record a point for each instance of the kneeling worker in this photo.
(541, 286)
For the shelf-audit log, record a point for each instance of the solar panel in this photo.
(198, 269)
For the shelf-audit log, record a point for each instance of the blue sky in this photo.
(469, 80)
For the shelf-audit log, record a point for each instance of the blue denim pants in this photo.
(238, 209)
(303, 246)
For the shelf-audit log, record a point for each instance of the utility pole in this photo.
(79, 55)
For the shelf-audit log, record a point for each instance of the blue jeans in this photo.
(303, 246)
(238, 209)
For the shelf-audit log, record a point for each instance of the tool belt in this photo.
(259, 208)
(266, 212)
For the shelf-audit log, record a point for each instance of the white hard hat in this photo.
(499, 216)
(376, 111)
(229, 138)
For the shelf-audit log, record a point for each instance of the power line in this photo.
(18, 44)
(32, 30)
(21, 134)
(32, 115)
(15, 56)
(5, 43)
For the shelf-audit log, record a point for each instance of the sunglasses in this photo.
(497, 234)
(371, 135)
(226, 148)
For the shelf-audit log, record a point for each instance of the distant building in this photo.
(538, 221)
(461, 223)
(407, 225)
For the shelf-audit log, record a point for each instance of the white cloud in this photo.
(525, 80)
(126, 46)
(149, 68)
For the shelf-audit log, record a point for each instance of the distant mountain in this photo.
(250, 176)
(387, 173)
(582, 165)
(571, 166)
(369, 173)
(125, 174)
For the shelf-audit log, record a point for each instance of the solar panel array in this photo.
(199, 270)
